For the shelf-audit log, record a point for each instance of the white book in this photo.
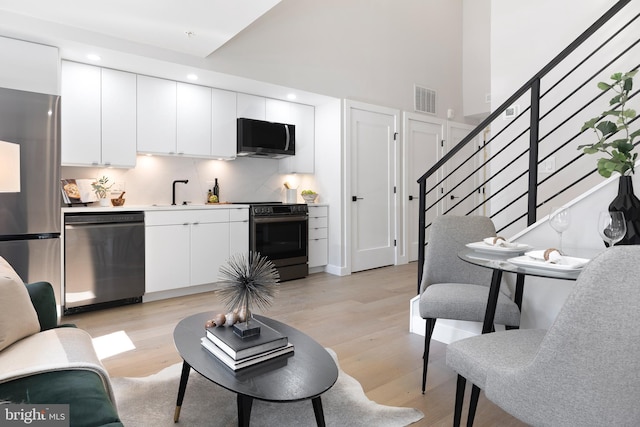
(244, 363)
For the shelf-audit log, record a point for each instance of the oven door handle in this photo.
(285, 218)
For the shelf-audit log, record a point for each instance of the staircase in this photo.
(516, 158)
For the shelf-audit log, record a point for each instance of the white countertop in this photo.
(138, 208)
(134, 208)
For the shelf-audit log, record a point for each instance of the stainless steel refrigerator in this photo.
(30, 219)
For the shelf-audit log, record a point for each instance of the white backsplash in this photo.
(240, 180)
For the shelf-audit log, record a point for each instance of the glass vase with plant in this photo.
(101, 187)
(616, 144)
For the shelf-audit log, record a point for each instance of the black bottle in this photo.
(216, 189)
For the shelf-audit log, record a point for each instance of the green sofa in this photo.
(84, 390)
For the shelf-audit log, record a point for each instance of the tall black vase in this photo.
(629, 204)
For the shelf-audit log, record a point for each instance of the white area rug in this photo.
(150, 401)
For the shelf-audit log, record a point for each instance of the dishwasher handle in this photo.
(107, 218)
(95, 225)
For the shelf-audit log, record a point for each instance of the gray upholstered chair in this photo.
(452, 288)
(583, 371)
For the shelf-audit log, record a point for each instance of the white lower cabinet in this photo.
(209, 250)
(238, 231)
(167, 249)
(318, 236)
(187, 247)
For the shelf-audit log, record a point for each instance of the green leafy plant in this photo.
(100, 187)
(618, 153)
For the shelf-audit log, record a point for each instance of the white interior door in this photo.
(372, 151)
(464, 197)
(422, 137)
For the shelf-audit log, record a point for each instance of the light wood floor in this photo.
(364, 318)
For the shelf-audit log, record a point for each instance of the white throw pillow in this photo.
(18, 318)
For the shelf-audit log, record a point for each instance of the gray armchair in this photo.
(452, 288)
(583, 371)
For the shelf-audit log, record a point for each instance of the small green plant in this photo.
(100, 187)
(618, 153)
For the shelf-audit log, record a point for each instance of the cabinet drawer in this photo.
(206, 215)
(317, 233)
(318, 255)
(320, 222)
(318, 211)
(152, 218)
(164, 218)
(239, 214)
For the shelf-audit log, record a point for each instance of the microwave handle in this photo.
(286, 129)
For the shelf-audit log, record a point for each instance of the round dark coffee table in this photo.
(308, 373)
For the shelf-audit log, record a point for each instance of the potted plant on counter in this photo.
(101, 187)
(616, 145)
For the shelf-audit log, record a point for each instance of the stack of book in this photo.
(238, 353)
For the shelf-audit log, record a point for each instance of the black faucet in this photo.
(173, 193)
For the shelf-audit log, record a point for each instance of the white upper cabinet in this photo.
(303, 117)
(193, 120)
(118, 118)
(29, 66)
(98, 116)
(251, 106)
(109, 116)
(156, 115)
(278, 111)
(80, 125)
(223, 124)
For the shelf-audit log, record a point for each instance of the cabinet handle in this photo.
(196, 223)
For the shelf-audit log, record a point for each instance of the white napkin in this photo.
(558, 259)
(555, 257)
(500, 242)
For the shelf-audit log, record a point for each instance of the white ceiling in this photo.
(159, 23)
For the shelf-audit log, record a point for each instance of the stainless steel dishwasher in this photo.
(103, 260)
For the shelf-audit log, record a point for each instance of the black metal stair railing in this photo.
(557, 101)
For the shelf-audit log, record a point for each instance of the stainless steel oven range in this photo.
(279, 231)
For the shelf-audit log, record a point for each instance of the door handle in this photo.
(453, 197)
(355, 198)
(410, 197)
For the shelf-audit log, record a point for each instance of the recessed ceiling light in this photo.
(192, 76)
(93, 57)
(190, 34)
(291, 96)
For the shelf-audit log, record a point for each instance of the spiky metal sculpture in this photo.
(249, 280)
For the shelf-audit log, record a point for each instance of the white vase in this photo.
(104, 203)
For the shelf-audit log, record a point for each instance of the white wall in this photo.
(369, 51)
(476, 57)
(520, 47)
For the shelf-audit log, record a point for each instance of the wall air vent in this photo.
(424, 99)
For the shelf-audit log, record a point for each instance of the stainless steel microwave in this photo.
(259, 138)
